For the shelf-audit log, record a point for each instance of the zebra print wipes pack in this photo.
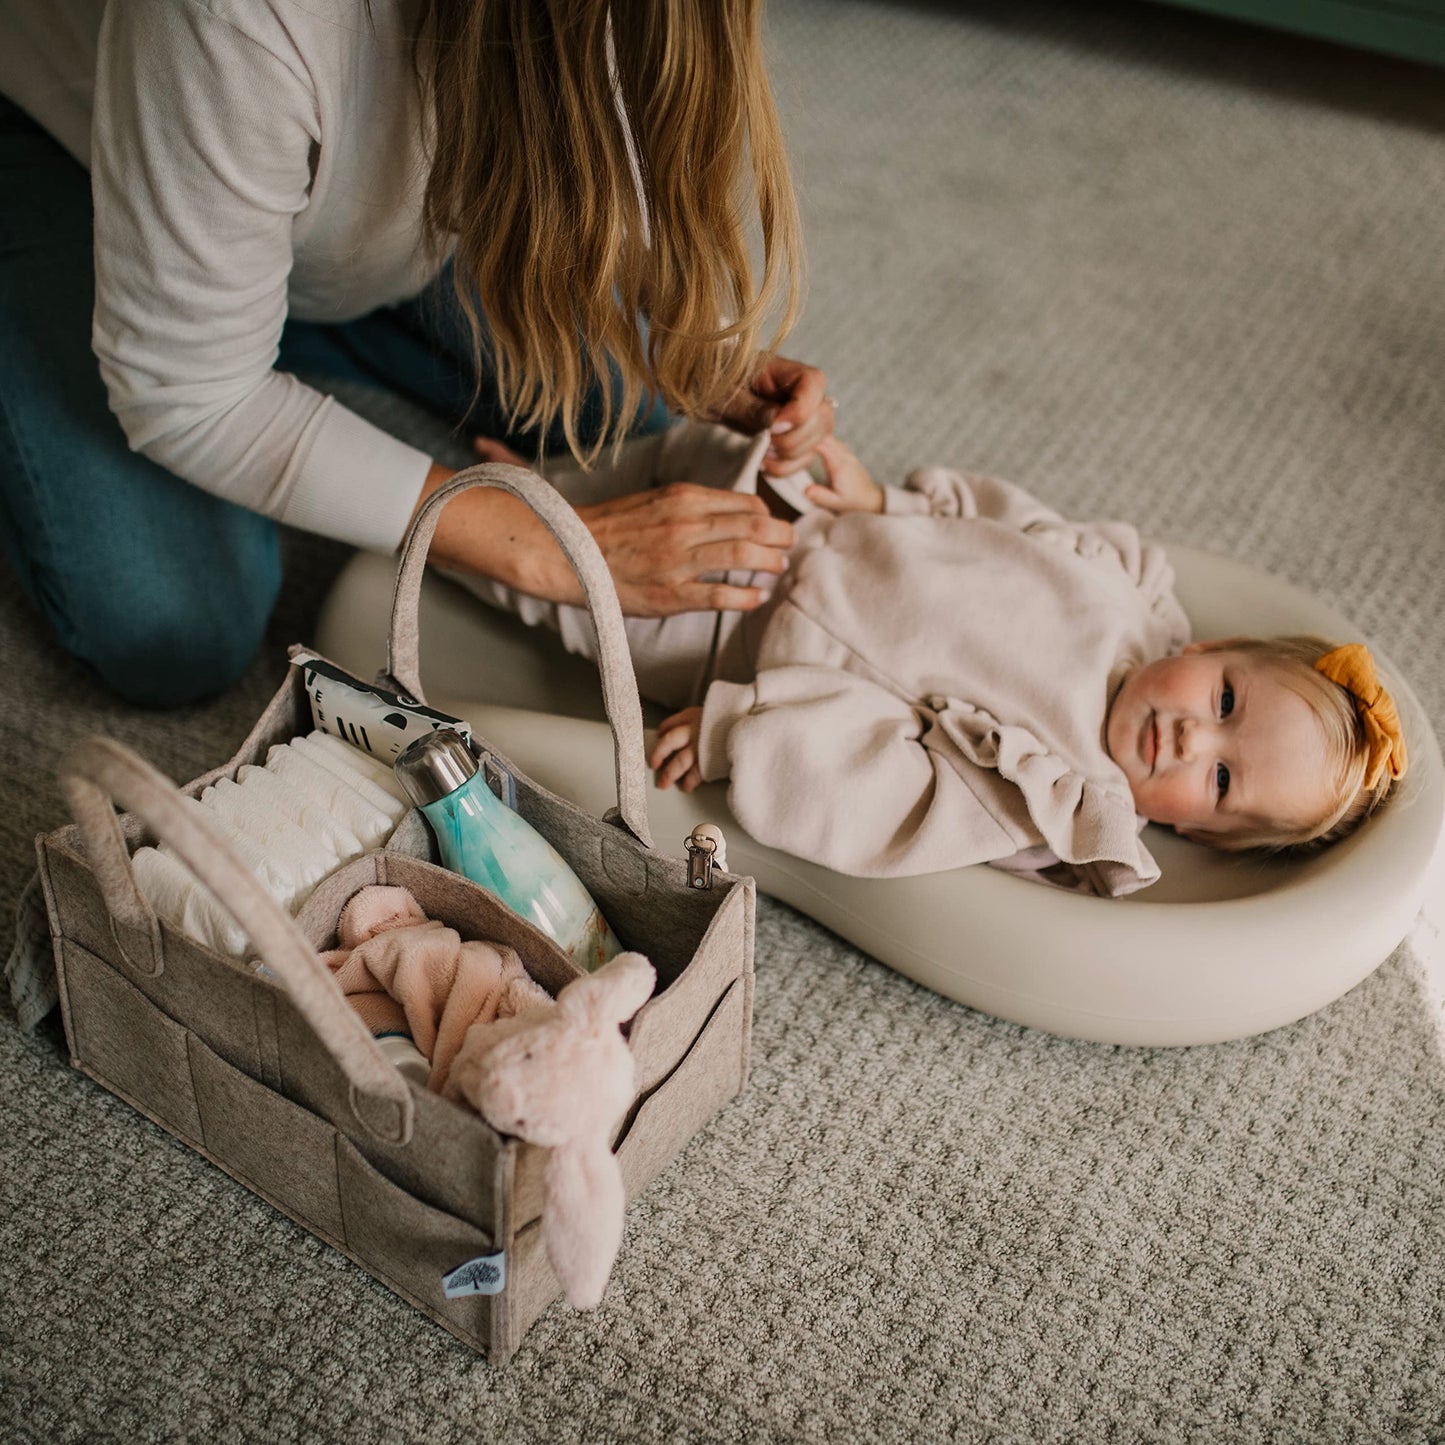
(378, 721)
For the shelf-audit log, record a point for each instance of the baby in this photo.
(949, 673)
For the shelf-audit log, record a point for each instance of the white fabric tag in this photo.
(486, 1274)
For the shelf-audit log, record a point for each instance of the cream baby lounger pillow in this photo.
(1221, 947)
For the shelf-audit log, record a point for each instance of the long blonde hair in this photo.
(590, 198)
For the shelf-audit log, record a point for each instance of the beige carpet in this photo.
(1150, 265)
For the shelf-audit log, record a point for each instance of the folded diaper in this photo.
(360, 761)
(331, 753)
(179, 896)
(274, 872)
(371, 825)
(304, 861)
(377, 769)
(316, 822)
(316, 804)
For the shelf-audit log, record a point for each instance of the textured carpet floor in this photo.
(1151, 266)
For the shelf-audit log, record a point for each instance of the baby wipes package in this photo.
(371, 718)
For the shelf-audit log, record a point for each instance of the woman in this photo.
(529, 215)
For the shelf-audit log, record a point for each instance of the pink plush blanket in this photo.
(406, 973)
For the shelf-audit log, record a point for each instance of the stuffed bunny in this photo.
(563, 1078)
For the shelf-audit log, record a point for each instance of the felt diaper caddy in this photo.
(260, 1064)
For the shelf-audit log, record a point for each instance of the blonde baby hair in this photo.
(1364, 745)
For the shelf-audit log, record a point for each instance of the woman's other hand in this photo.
(674, 754)
(849, 488)
(789, 399)
(488, 450)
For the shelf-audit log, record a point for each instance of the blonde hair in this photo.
(1293, 659)
(592, 199)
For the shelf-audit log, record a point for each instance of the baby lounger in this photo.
(1220, 948)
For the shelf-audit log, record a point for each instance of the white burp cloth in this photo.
(304, 861)
(371, 825)
(334, 759)
(183, 900)
(316, 822)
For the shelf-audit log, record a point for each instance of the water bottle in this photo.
(484, 840)
(405, 1057)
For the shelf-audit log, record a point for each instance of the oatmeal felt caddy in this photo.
(272, 1075)
(1223, 946)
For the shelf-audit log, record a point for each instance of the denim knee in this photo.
(175, 644)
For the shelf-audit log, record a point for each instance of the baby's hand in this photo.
(849, 488)
(674, 754)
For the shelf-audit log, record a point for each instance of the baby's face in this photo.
(1216, 741)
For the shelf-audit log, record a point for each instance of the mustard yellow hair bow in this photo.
(1354, 669)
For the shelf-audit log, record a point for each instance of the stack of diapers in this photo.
(316, 804)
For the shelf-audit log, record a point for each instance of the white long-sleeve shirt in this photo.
(250, 160)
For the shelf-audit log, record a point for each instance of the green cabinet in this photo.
(1414, 29)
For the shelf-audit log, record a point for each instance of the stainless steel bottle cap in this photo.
(434, 766)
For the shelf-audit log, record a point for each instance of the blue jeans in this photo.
(160, 587)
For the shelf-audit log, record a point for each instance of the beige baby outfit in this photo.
(923, 689)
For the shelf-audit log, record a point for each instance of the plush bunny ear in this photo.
(583, 1210)
(611, 995)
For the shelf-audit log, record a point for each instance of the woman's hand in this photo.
(661, 544)
(789, 399)
(674, 754)
(849, 488)
(658, 544)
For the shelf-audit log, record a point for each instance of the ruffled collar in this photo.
(1087, 822)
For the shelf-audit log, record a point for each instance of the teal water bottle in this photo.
(484, 840)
